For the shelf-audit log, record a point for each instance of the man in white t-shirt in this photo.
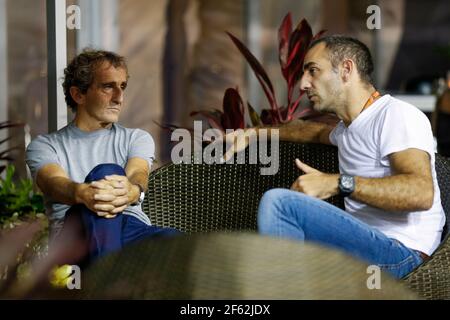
(393, 215)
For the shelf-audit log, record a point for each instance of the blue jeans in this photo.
(108, 235)
(294, 215)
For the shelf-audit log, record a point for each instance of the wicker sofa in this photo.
(206, 198)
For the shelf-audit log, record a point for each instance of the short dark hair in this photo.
(80, 72)
(342, 47)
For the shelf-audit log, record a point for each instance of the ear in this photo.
(347, 69)
(77, 95)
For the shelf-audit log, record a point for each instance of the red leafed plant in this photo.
(292, 46)
(232, 116)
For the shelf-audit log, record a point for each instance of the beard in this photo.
(329, 100)
(323, 106)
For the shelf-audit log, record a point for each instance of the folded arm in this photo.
(56, 184)
(106, 197)
(409, 188)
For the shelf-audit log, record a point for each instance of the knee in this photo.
(277, 197)
(271, 206)
(271, 197)
(104, 169)
(280, 204)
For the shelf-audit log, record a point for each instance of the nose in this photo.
(305, 83)
(118, 96)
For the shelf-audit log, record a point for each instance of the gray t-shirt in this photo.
(78, 152)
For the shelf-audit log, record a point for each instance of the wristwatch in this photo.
(346, 185)
(141, 196)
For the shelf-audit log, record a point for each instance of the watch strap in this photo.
(141, 195)
(346, 185)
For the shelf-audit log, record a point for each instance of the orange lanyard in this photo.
(374, 96)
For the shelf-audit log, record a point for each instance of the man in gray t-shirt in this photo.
(93, 168)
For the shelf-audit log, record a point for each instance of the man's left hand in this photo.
(131, 191)
(315, 183)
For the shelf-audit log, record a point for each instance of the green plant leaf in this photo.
(18, 200)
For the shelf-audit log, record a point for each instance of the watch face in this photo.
(347, 182)
(346, 185)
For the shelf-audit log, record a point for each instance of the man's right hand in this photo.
(238, 140)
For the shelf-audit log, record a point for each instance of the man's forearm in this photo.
(62, 190)
(302, 131)
(403, 192)
(139, 178)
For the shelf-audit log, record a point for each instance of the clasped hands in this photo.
(109, 196)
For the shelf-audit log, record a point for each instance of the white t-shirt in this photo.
(390, 125)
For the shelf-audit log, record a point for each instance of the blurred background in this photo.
(180, 58)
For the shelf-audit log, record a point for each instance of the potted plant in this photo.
(292, 47)
(17, 201)
(19, 206)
